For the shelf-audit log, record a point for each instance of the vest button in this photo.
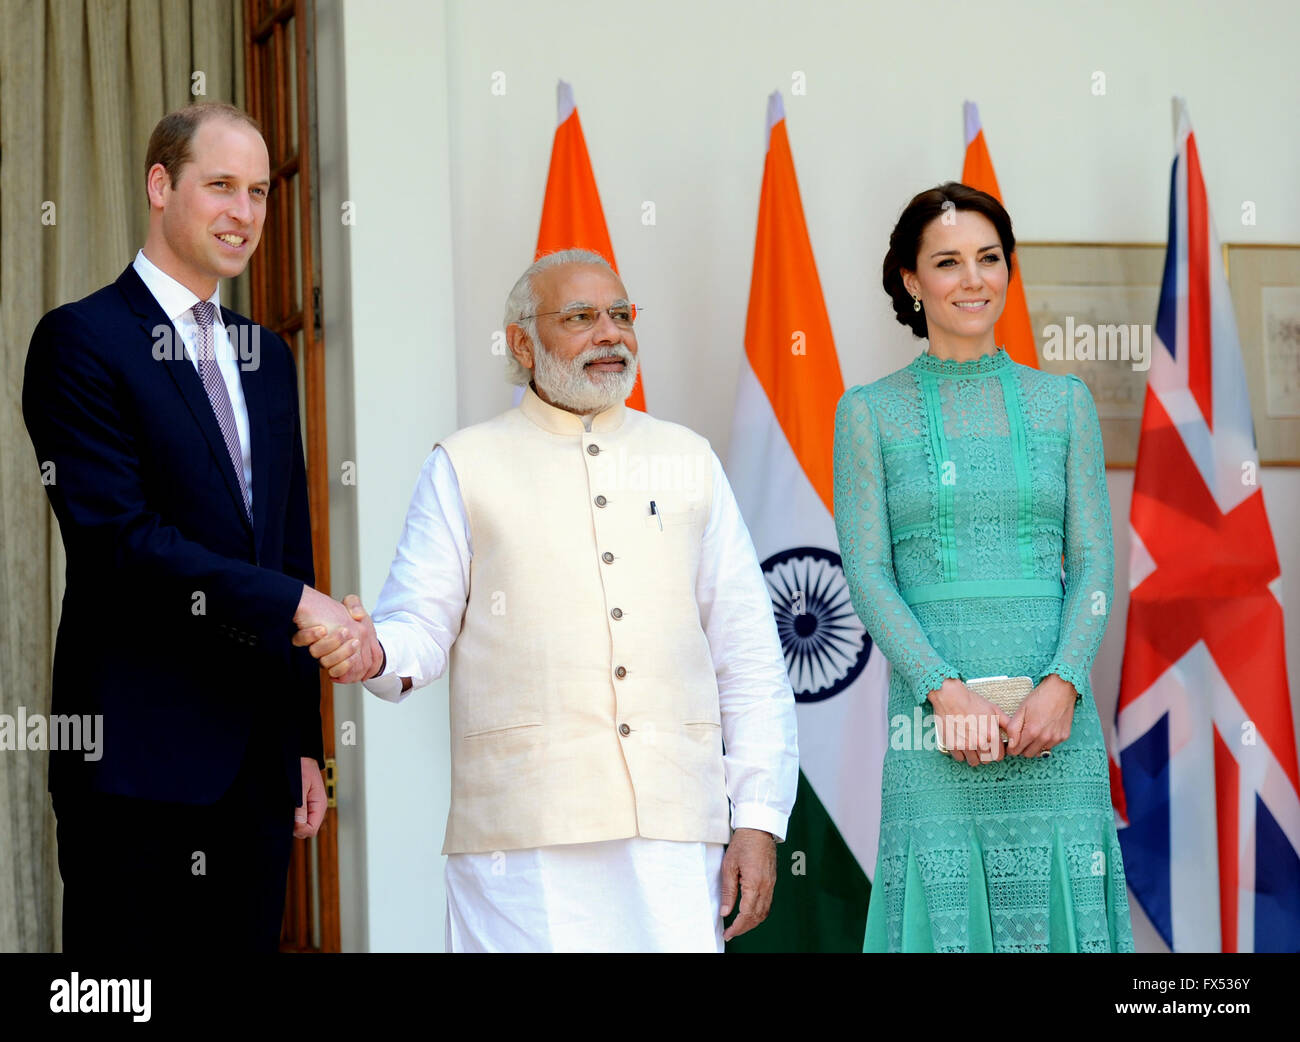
(593, 450)
(624, 730)
(607, 557)
(601, 501)
(617, 613)
(621, 672)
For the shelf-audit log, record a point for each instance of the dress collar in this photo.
(560, 421)
(975, 367)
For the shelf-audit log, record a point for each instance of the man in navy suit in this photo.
(168, 436)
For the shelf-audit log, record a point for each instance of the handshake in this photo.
(340, 636)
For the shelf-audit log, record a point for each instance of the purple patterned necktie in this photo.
(210, 373)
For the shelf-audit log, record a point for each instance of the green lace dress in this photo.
(958, 487)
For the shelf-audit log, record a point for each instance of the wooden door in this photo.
(279, 68)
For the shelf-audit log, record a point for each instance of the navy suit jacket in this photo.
(178, 612)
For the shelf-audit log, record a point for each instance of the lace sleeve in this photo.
(862, 525)
(1089, 548)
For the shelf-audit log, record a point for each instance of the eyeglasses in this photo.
(581, 319)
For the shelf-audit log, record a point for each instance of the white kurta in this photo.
(623, 895)
(634, 894)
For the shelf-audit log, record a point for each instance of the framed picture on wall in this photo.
(1265, 286)
(1093, 310)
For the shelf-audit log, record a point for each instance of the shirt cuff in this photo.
(759, 816)
(388, 685)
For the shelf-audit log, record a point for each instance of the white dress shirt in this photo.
(633, 894)
(176, 302)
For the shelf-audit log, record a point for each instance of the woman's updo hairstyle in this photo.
(906, 240)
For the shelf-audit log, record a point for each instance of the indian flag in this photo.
(572, 217)
(1013, 330)
(780, 467)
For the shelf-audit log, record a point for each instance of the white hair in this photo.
(524, 300)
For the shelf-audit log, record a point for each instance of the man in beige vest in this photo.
(584, 571)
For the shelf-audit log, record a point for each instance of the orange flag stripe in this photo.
(787, 332)
(572, 217)
(1013, 331)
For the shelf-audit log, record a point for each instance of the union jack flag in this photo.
(1207, 792)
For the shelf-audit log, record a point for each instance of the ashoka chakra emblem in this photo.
(825, 644)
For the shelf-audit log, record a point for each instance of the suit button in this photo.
(617, 613)
(624, 730)
(607, 557)
(621, 672)
(601, 501)
(593, 450)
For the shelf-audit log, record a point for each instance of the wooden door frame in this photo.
(280, 88)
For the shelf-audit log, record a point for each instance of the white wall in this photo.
(392, 374)
(672, 100)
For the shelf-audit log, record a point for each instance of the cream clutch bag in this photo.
(1004, 692)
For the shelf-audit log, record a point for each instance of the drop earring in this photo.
(916, 302)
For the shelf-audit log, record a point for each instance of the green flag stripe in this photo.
(820, 901)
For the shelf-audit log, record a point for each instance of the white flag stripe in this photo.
(842, 739)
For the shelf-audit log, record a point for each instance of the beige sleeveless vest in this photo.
(584, 703)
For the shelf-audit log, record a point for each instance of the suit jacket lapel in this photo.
(169, 351)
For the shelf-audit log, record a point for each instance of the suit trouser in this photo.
(144, 875)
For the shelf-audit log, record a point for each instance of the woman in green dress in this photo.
(961, 482)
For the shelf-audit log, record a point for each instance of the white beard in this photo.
(571, 386)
